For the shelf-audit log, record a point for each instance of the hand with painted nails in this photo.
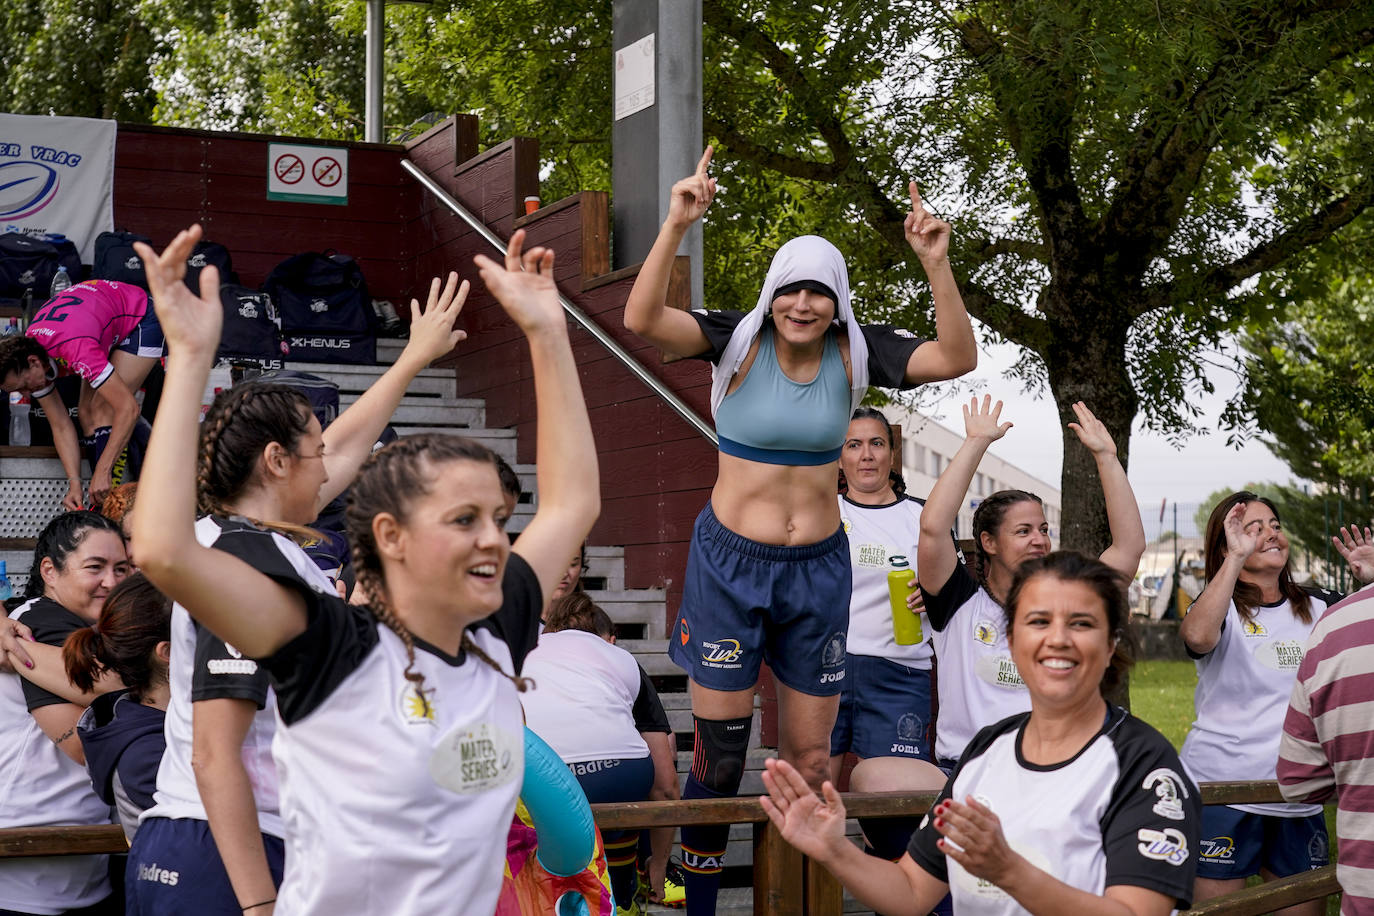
(972, 836)
(13, 635)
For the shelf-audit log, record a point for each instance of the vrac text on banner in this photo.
(57, 176)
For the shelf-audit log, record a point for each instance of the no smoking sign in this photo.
(307, 174)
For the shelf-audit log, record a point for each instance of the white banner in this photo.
(57, 176)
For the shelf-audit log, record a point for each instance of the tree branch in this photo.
(1163, 167)
(983, 250)
(1006, 319)
(769, 157)
(1311, 230)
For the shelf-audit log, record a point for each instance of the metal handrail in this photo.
(591, 327)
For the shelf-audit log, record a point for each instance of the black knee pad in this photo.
(718, 754)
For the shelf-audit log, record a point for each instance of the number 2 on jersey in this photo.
(57, 309)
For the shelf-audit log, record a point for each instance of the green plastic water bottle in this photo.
(906, 626)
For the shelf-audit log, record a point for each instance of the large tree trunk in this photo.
(1088, 364)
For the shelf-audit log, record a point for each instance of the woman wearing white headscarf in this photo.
(768, 576)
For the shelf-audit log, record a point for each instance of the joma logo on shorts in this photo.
(832, 677)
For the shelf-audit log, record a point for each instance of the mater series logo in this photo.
(27, 185)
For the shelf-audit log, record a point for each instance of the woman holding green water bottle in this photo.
(884, 715)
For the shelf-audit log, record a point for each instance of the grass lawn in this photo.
(1162, 694)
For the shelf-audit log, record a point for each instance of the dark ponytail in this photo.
(134, 619)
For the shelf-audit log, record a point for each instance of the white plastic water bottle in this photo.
(20, 432)
(60, 281)
(6, 589)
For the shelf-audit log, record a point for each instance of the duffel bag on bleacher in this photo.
(29, 262)
(326, 312)
(252, 327)
(115, 258)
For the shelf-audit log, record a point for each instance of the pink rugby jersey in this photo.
(80, 326)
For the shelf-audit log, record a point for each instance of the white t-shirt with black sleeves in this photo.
(877, 533)
(978, 680)
(393, 802)
(204, 667)
(1119, 812)
(583, 697)
(40, 786)
(1243, 688)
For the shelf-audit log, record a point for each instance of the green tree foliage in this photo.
(1128, 182)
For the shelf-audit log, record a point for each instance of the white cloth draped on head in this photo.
(807, 257)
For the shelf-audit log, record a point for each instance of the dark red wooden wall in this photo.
(165, 179)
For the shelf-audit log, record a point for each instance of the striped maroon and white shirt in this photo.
(1328, 739)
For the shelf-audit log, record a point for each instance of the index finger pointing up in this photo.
(705, 163)
(915, 193)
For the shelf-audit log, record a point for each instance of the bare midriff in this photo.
(776, 504)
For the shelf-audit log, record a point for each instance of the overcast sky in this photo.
(1157, 469)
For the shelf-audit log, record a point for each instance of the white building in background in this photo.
(927, 448)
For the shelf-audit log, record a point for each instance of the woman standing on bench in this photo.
(768, 575)
(401, 748)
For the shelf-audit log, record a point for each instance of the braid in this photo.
(371, 584)
(209, 440)
(521, 683)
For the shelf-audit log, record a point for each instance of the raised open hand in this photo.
(190, 323)
(431, 330)
(1356, 547)
(927, 235)
(980, 421)
(808, 823)
(524, 286)
(1240, 541)
(1091, 431)
(693, 194)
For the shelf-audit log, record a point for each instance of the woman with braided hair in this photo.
(214, 841)
(978, 681)
(400, 743)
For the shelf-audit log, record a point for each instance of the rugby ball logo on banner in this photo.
(307, 174)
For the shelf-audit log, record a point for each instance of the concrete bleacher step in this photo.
(355, 379)
(431, 411)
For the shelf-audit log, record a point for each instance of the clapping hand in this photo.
(809, 823)
(972, 836)
(693, 194)
(927, 235)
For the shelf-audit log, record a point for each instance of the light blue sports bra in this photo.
(771, 419)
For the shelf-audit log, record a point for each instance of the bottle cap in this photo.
(900, 561)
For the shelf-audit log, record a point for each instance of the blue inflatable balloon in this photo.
(558, 809)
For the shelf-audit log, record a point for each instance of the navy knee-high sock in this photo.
(717, 768)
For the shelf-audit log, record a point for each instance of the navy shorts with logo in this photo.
(175, 868)
(1237, 844)
(745, 603)
(146, 339)
(884, 710)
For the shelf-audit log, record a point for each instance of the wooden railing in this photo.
(786, 883)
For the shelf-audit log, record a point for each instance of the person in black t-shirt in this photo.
(1073, 807)
(401, 744)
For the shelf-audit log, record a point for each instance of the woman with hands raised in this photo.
(978, 680)
(425, 675)
(1075, 806)
(787, 374)
(1247, 632)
